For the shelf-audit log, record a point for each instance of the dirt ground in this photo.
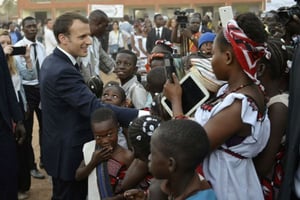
(41, 189)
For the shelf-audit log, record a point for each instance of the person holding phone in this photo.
(236, 120)
(24, 180)
(31, 85)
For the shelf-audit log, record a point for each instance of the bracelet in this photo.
(180, 117)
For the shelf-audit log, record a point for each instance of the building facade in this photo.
(43, 9)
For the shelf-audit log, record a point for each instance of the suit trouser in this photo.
(33, 101)
(8, 164)
(24, 178)
(68, 190)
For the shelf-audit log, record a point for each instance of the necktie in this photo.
(77, 66)
(37, 63)
(157, 34)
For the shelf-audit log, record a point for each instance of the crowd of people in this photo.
(115, 140)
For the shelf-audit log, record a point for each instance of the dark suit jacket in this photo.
(293, 130)
(151, 38)
(9, 108)
(67, 104)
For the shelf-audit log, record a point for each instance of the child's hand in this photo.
(102, 154)
(173, 91)
(135, 194)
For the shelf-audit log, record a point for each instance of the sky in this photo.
(275, 4)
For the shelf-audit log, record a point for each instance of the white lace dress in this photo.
(232, 173)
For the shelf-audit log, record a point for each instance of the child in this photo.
(177, 147)
(205, 44)
(272, 74)
(140, 131)
(115, 95)
(105, 162)
(156, 79)
(126, 69)
(202, 63)
(157, 108)
(236, 120)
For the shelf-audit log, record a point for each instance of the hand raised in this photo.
(135, 194)
(173, 91)
(101, 155)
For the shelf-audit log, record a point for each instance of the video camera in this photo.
(286, 13)
(182, 17)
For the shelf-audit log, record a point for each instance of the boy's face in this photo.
(112, 96)
(125, 68)
(106, 133)
(206, 48)
(158, 162)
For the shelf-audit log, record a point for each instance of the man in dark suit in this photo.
(10, 112)
(67, 105)
(158, 33)
(290, 188)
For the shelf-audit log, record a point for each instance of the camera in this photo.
(286, 13)
(181, 18)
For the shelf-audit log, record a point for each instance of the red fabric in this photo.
(116, 172)
(267, 189)
(247, 51)
(151, 57)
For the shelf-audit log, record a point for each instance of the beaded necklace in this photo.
(214, 101)
(236, 89)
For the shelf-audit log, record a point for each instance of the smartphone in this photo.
(18, 51)
(226, 14)
(169, 67)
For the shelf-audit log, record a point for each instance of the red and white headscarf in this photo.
(247, 51)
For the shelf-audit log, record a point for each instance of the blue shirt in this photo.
(208, 194)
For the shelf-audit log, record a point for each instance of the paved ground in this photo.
(41, 188)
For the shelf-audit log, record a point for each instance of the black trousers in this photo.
(8, 163)
(24, 178)
(33, 101)
(68, 190)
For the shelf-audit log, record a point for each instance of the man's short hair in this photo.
(27, 19)
(64, 22)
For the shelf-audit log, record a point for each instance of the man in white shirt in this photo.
(50, 41)
(125, 26)
(31, 86)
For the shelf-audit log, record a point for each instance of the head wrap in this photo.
(247, 51)
(166, 43)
